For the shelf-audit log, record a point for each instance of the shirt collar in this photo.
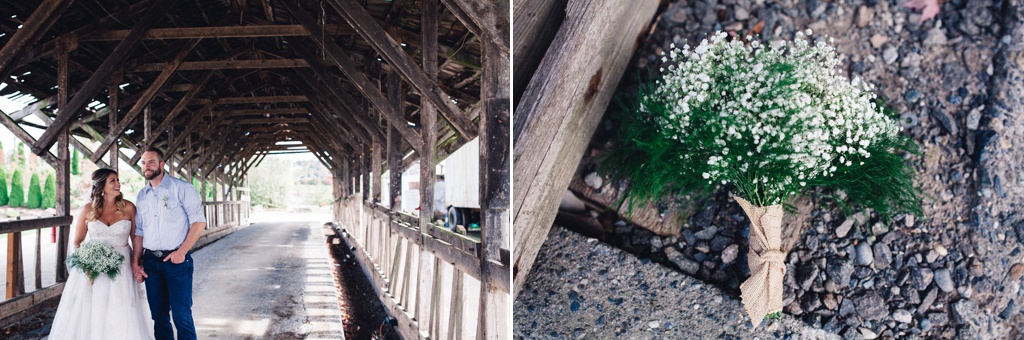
(164, 183)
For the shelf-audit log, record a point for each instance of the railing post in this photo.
(15, 275)
(63, 168)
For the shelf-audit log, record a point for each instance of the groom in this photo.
(169, 220)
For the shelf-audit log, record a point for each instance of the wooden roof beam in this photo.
(99, 78)
(253, 100)
(369, 29)
(147, 96)
(217, 32)
(362, 83)
(487, 19)
(30, 32)
(169, 118)
(226, 65)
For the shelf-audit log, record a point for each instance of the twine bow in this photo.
(762, 292)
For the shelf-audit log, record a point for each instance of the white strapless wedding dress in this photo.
(105, 309)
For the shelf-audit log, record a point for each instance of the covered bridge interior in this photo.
(368, 86)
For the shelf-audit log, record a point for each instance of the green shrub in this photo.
(17, 198)
(35, 193)
(50, 192)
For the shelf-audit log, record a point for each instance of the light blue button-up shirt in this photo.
(166, 212)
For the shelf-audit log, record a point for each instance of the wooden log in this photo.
(394, 144)
(99, 78)
(113, 93)
(554, 122)
(253, 100)
(63, 165)
(536, 22)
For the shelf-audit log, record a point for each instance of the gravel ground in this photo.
(956, 81)
(581, 288)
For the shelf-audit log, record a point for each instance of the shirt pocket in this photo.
(174, 213)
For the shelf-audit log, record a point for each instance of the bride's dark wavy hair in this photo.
(99, 181)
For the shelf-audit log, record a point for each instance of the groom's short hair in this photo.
(159, 154)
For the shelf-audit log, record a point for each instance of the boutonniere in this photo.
(165, 202)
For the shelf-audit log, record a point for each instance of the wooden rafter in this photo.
(254, 31)
(99, 78)
(226, 65)
(147, 96)
(362, 83)
(489, 19)
(369, 29)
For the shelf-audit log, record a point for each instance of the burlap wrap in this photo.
(762, 292)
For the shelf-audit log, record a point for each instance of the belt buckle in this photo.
(158, 253)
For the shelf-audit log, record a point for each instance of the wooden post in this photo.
(394, 143)
(15, 279)
(39, 259)
(560, 110)
(365, 172)
(428, 119)
(376, 161)
(147, 116)
(63, 168)
(114, 90)
(494, 187)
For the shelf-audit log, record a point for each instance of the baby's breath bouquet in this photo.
(769, 123)
(95, 258)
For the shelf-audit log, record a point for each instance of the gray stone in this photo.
(921, 277)
(720, 242)
(936, 37)
(965, 312)
(938, 319)
(1010, 310)
(926, 325)
(871, 306)
(805, 275)
(571, 203)
(946, 120)
(902, 315)
(844, 228)
(707, 233)
(864, 254)
(974, 118)
(864, 16)
(730, 253)
(931, 256)
(741, 13)
(839, 270)
(929, 300)
(890, 54)
(943, 280)
(656, 243)
(883, 256)
(879, 229)
(594, 180)
(686, 265)
(847, 307)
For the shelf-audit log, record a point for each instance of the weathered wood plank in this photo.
(99, 78)
(554, 123)
(536, 23)
(15, 284)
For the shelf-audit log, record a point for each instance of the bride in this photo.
(107, 308)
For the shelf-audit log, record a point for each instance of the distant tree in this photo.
(50, 192)
(17, 198)
(75, 159)
(270, 182)
(19, 154)
(35, 193)
(4, 199)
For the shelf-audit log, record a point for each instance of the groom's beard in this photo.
(155, 174)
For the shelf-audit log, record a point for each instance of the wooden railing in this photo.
(430, 281)
(16, 299)
(225, 214)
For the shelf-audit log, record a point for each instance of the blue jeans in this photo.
(169, 289)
